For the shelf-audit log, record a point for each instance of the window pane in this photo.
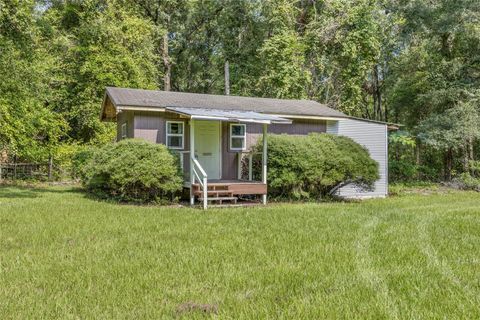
(124, 130)
(238, 143)
(175, 141)
(175, 128)
(238, 130)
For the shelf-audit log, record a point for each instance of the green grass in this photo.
(63, 255)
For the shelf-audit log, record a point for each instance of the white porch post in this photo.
(264, 161)
(192, 156)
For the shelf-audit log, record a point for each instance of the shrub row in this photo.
(316, 165)
(299, 167)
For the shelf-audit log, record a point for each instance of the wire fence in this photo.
(14, 171)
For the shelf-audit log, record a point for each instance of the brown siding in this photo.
(125, 117)
(255, 131)
(229, 158)
(151, 127)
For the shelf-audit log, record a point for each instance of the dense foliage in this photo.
(316, 165)
(131, 170)
(411, 62)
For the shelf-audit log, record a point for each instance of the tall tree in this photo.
(95, 44)
(29, 129)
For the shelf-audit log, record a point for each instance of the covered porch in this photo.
(218, 140)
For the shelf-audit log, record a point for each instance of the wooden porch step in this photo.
(220, 199)
(213, 188)
(230, 188)
(214, 192)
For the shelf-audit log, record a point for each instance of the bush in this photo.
(79, 161)
(69, 157)
(132, 170)
(469, 180)
(316, 165)
(402, 170)
(466, 181)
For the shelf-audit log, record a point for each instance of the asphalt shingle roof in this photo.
(165, 99)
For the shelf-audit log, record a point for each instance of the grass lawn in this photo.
(63, 255)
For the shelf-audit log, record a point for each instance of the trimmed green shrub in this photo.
(79, 161)
(133, 170)
(316, 165)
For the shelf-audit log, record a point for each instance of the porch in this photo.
(229, 190)
(209, 169)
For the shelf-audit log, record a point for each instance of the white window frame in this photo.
(244, 136)
(175, 135)
(123, 130)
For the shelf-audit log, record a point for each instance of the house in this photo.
(221, 129)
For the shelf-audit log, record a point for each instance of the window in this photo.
(237, 136)
(175, 134)
(124, 130)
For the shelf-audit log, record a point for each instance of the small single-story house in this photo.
(221, 129)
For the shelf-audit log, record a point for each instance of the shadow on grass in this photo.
(12, 191)
(101, 197)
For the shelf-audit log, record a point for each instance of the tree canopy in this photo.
(412, 62)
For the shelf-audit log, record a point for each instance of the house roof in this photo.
(164, 99)
(155, 100)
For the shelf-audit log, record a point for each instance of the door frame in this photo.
(220, 141)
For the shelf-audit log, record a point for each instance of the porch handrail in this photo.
(203, 181)
(199, 166)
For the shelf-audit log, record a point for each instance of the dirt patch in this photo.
(188, 307)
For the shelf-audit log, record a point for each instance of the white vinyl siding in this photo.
(374, 137)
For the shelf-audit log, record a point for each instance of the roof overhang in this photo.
(228, 115)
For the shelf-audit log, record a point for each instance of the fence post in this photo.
(50, 167)
(1, 173)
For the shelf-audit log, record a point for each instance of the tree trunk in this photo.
(448, 164)
(227, 78)
(377, 95)
(166, 63)
(470, 147)
(466, 159)
(50, 168)
(417, 153)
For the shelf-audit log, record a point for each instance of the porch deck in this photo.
(219, 187)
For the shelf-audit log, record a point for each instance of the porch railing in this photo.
(197, 173)
(248, 155)
(181, 157)
(201, 176)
